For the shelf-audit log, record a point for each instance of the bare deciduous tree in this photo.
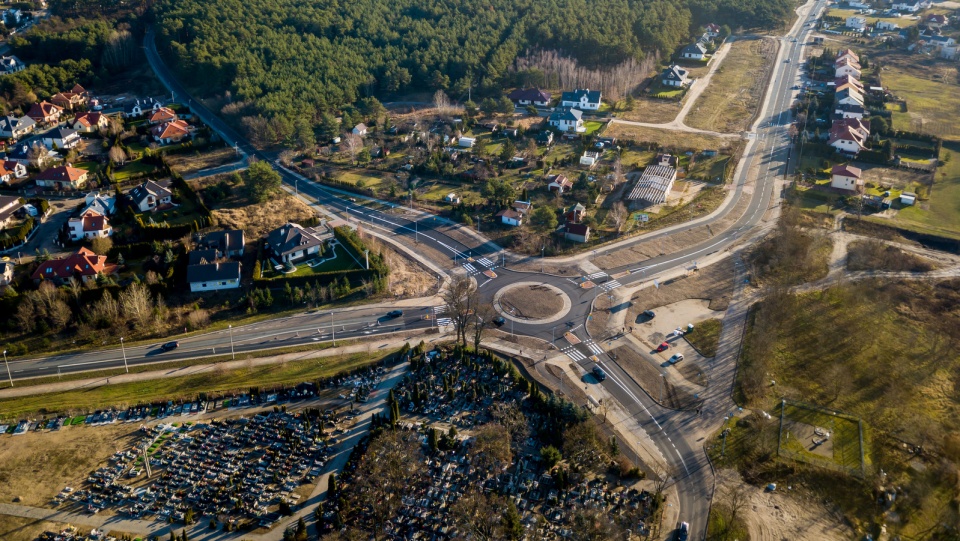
(137, 304)
(457, 298)
(491, 451)
(441, 101)
(388, 470)
(617, 216)
(480, 322)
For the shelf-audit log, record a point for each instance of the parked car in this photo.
(677, 357)
(663, 347)
(499, 321)
(169, 346)
(599, 373)
(683, 530)
(649, 314)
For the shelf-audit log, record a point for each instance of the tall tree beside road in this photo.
(617, 216)
(261, 181)
(137, 304)
(543, 220)
(458, 297)
(481, 321)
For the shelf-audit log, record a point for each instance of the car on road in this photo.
(787, 61)
(663, 347)
(650, 314)
(499, 321)
(683, 530)
(599, 373)
(393, 314)
(677, 357)
(170, 346)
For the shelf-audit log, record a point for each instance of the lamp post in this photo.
(512, 310)
(124, 350)
(416, 231)
(232, 354)
(478, 223)
(333, 329)
(662, 377)
(8, 367)
(542, 249)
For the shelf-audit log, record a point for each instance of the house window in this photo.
(203, 285)
(223, 283)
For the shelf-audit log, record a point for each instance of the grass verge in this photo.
(728, 104)
(705, 337)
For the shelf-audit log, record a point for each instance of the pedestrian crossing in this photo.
(486, 262)
(444, 321)
(595, 275)
(440, 309)
(610, 285)
(594, 347)
(470, 268)
(572, 352)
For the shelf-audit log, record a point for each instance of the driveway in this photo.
(44, 238)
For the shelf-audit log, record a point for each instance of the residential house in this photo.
(83, 265)
(850, 111)
(530, 96)
(886, 25)
(6, 273)
(712, 30)
(161, 115)
(31, 152)
(293, 242)
(9, 205)
(936, 20)
(12, 127)
(522, 207)
(11, 64)
(466, 142)
(12, 17)
(510, 217)
(846, 177)
(908, 198)
(674, 76)
(590, 158)
(912, 6)
(654, 185)
(62, 177)
(60, 138)
(90, 224)
(559, 183)
(229, 242)
(574, 214)
(69, 100)
(360, 129)
(581, 98)
(545, 137)
(149, 195)
(205, 272)
(846, 139)
(856, 23)
(45, 112)
(694, 51)
(567, 119)
(139, 108)
(576, 232)
(103, 204)
(847, 66)
(170, 132)
(849, 96)
(847, 54)
(452, 198)
(10, 171)
(89, 122)
(847, 81)
(945, 46)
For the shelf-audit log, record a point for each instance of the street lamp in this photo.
(124, 350)
(512, 310)
(662, 377)
(478, 223)
(333, 329)
(8, 367)
(542, 249)
(232, 354)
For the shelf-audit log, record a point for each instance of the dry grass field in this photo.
(192, 162)
(732, 98)
(671, 139)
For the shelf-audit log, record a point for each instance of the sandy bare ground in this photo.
(36, 466)
(782, 514)
(714, 283)
(532, 301)
(257, 220)
(28, 529)
(673, 315)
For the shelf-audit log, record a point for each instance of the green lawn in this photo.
(934, 102)
(184, 213)
(902, 22)
(360, 178)
(92, 167)
(940, 213)
(844, 434)
(593, 125)
(131, 169)
(705, 337)
(709, 168)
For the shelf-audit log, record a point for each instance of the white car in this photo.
(677, 357)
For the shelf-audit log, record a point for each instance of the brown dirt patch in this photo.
(653, 111)
(648, 377)
(195, 161)
(532, 301)
(37, 465)
(257, 220)
(714, 283)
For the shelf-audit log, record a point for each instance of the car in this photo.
(392, 314)
(677, 357)
(787, 61)
(683, 530)
(663, 347)
(599, 373)
(499, 321)
(650, 314)
(169, 346)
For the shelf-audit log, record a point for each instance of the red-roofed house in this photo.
(847, 53)
(161, 115)
(576, 232)
(846, 177)
(846, 139)
(89, 122)
(559, 183)
(84, 265)
(712, 30)
(45, 112)
(510, 217)
(63, 177)
(936, 20)
(9, 171)
(68, 100)
(847, 66)
(170, 132)
(89, 225)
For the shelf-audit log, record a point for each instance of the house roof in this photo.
(851, 108)
(43, 110)
(226, 241)
(146, 189)
(559, 180)
(510, 214)
(859, 125)
(845, 133)
(846, 171)
(212, 272)
(654, 183)
(83, 262)
(8, 63)
(100, 203)
(58, 132)
(162, 114)
(937, 18)
(850, 93)
(529, 94)
(62, 173)
(11, 123)
(576, 207)
(291, 238)
(522, 206)
(593, 96)
(169, 129)
(674, 73)
(77, 89)
(8, 205)
(89, 118)
(360, 127)
(846, 61)
(147, 103)
(578, 229)
(92, 220)
(712, 27)
(568, 114)
(693, 48)
(202, 257)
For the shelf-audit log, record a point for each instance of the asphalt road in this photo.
(767, 156)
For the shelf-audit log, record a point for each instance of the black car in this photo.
(499, 321)
(394, 314)
(649, 314)
(170, 345)
(599, 373)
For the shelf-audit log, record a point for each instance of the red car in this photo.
(663, 346)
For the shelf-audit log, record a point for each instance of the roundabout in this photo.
(532, 302)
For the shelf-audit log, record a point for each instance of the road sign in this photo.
(642, 217)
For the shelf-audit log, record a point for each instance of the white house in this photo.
(510, 217)
(847, 140)
(694, 51)
(12, 127)
(360, 129)
(452, 198)
(712, 30)
(149, 196)
(848, 68)
(530, 96)
(908, 198)
(90, 224)
(846, 177)
(589, 158)
(11, 170)
(293, 242)
(60, 138)
(674, 76)
(138, 108)
(559, 183)
(11, 64)
(886, 25)
(581, 98)
(849, 96)
(857, 23)
(206, 273)
(912, 7)
(567, 119)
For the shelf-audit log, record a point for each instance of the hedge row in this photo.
(323, 278)
(350, 238)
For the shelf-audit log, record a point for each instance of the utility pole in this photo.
(124, 350)
(232, 354)
(662, 377)
(366, 253)
(333, 329)
(542, 248)
(478, 224)
(8, 367)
